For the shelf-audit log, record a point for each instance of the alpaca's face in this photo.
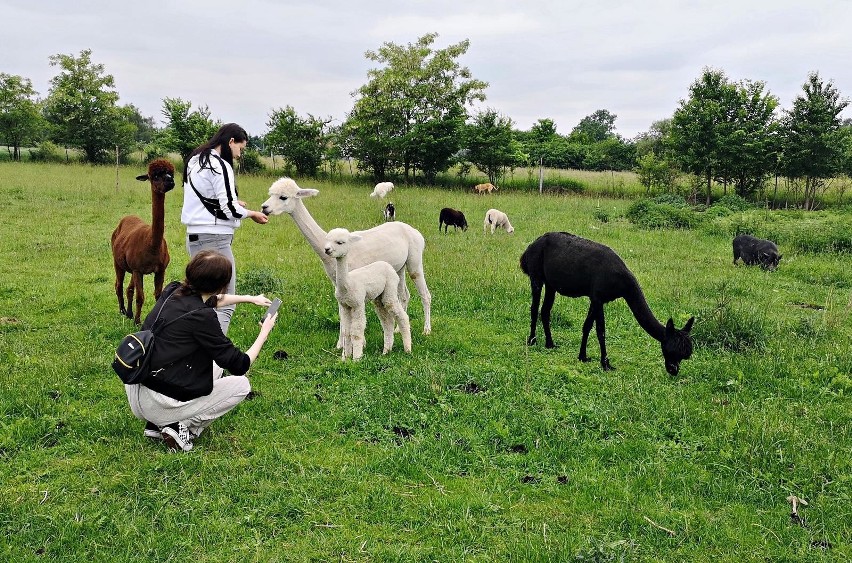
(337, 243)
(161, 174)
(677, 345)
(284, 196)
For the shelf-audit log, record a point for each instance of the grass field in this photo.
(473, 448)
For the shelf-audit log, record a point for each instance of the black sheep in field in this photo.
(755, 250)
(452, 217)
(576, 267)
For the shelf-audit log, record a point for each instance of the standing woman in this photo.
(211, 208)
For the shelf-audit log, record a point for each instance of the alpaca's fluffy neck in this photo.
(639, 306)
(158, 222)
(314, 234)
(341, 271)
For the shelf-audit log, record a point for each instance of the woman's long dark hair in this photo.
(220, 139)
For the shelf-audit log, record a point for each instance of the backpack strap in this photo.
(210, 204)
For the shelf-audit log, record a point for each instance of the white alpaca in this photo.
(497, 219)
(396, 243)
(382, 189)
(376, 282)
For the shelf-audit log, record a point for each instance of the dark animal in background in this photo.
(577, 267)
(452, 217)
(755, 250)
(139, 248)
(390, 212)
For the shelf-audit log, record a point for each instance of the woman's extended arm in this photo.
(225, 299)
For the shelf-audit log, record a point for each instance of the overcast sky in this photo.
(556, 59)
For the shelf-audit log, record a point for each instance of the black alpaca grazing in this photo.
(577, 267)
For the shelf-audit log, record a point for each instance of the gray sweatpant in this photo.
(196, 414)
(221, 244)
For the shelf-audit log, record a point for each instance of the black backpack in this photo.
(133, 355)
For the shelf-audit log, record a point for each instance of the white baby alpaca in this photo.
(377, 282)
(382, 189)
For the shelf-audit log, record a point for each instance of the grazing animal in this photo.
(382, 189)
(390, 212)
(396, 243)
(497, 219)
(576, 267)
(484, 188)
(139, 248)
(377, 282)
(754, 250)
(452, 217)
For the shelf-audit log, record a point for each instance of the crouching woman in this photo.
(186, 391)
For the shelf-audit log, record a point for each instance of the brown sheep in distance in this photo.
(139, 248)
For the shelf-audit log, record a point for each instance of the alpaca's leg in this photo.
(600, 328)
(343, 326)
(358, 326)
(404, 325)
(425, 297)
(140, 296)
(159, 277)
(546, 306)
(345, 331)
(402, 292)
(387, 320)
(131, 288)
(535, 290)
(119, 288)
(587, 327)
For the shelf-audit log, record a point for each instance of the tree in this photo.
(82, 108)
(748, 151)
(301, 141)
(185, 129)
(490, 145)
(409, 114)
(21, 121)
(696, 130)
(812, 142)
(594, 128)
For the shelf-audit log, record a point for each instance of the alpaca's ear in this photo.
(354, 238)
(306, 192)
(670, 327)
(688, 326)
(142, 178)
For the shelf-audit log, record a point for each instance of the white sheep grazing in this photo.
(382, 189)
(497, 218)
(395, 242)
(376, 282)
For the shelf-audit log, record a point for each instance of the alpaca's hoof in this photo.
(531, 341)
(427, 330)
(606, 366)
(549, 345)
(583, 358)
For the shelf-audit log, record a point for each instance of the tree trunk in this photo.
(709, 182)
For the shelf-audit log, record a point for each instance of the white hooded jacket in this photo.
(215, 208)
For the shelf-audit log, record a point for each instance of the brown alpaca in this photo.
(139, 248)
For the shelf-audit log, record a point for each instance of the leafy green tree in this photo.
(812, 142)
(654, 139)
(409, 114)
(21, 121)
(748, 151)
(82, 108)
(696, 131)
(185, 129)
(146, 129)
(490, 144)
(301, 141)
(594, 128)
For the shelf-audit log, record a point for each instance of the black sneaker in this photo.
(177, 437)
(152, 431)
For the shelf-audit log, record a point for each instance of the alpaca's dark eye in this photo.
(282, 197)
(340, 242)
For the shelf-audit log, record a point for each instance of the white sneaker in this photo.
(152, 431)
(177, 437)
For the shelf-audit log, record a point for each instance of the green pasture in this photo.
(473, 448)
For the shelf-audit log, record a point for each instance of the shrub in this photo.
(648, 214)
(250, 162)
(46, 151)
(729, 328)
(733, 202)
(261, 280)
